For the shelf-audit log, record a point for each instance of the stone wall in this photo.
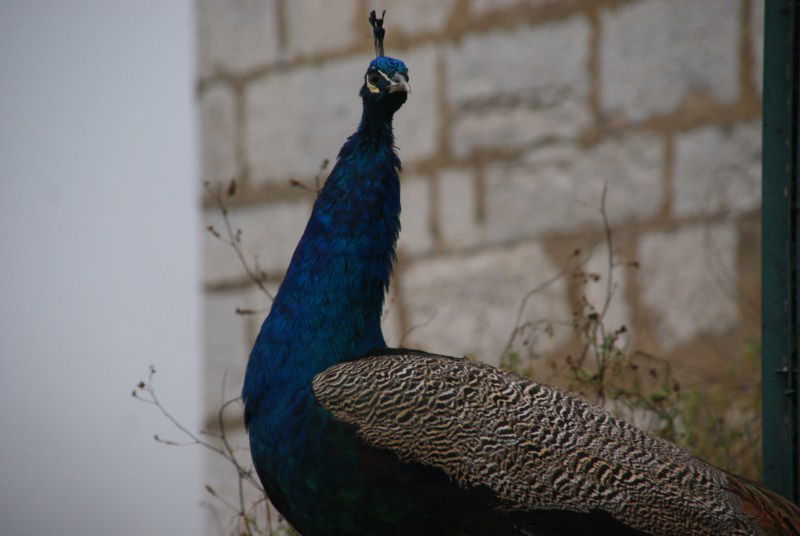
(521, 112)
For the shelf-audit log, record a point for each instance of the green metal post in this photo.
(779, 313)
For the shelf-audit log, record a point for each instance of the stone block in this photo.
(413, 17)
(323, 26)
(416, 236)
(270, 232)
(718, 169)
(560, 190)
(468, 304)
(227, 344)
(416, 124)
(458, 204)
(483, 7)
(235, 36)
(543, 65)
(218, 133)
(654, 53)
(505, 89)
(297, 119)
(390, 319)
(687, 281)
(505, 128)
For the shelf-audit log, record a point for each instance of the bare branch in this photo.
(609, 252)
(297, 183)
(415, 327)
(145, 392)
(234, 238)
(523, 305)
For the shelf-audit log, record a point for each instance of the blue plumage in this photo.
(326, 311)
(329, 305)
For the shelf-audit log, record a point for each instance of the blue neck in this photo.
(328, 308)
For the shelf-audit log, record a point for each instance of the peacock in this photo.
(350, 437)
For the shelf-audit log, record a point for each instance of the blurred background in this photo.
(99, 266)
(540, 136)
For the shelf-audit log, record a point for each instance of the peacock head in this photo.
(385, 84)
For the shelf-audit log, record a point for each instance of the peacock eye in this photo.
(374, 78)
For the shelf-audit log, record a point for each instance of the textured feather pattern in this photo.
(534, 446)
(773, 513)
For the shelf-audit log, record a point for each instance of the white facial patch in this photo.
(372, 87)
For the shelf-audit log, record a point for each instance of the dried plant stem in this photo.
(234, 238)
(145, 392)
(519, 325)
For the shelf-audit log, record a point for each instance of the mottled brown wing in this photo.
(534, 446)
(774, 514)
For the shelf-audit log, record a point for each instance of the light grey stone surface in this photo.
(718, 169)
(416, 125)
(415, 216)
(468, 304)
(413, 17)
(390, 319)
(515, 95)
(458, 202)
(560, 189)
(269, 231)
(416, 235)
(226, 345)
(519, 64)
(218, 133)
(235, 36)
(323, 26)
(297, 119)
(687, 281)
(482, 7)
(656, 52)
(505, 128)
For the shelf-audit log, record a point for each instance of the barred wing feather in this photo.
(535, 447)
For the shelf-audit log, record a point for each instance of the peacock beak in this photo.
(399, 83)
